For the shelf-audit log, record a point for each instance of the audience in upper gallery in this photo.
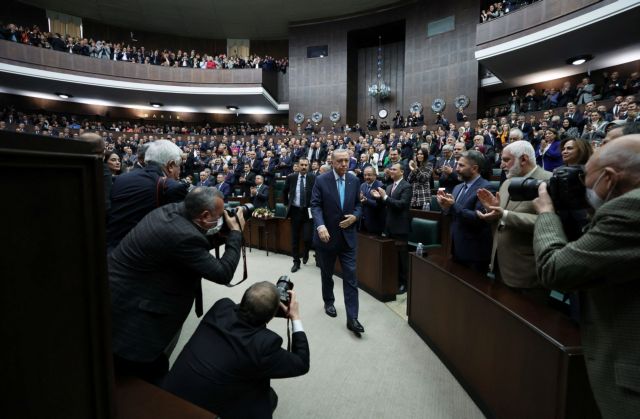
(493, 10)
(585, 92)
(125, 51)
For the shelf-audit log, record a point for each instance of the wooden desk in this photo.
(137, 399)
(377, 266)
(266, 227)
(516, 359)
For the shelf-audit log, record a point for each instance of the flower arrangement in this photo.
(262, 213)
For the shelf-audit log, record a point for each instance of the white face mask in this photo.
(592, 197)
(216, 228)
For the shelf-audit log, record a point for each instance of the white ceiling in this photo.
(212, 19)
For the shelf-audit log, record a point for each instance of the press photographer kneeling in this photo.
(227, 364)
(604, 265)
(155, 275)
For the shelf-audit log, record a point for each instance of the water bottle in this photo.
(426, 206)
(419, 250)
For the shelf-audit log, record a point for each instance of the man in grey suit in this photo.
(512, 258)
(604, 265)
(154, 277)
(397, 200)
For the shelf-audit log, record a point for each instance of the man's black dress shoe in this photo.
(305, 258)
(402, 289)
(330, 310)
(355, 326)
(295, 267)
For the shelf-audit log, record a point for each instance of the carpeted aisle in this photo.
(388, 373)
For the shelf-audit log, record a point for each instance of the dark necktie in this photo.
(462, 192)
(301, 191)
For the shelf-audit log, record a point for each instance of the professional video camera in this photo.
(283, 285)
(566, 188)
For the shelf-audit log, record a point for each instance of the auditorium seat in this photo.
(279, 187)
(281, 210)
(231, 204)
(434, 204)
(495, 184)
(424, 231)
(497, 172)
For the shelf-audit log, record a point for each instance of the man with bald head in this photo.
(604, 266)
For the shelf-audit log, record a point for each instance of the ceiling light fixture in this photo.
(63, 95)
(580, 59)
(233, 108)
(156, 104)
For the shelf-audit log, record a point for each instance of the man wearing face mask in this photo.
(603, 264)
(154, 277)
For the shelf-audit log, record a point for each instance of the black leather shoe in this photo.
(295, 267)
(355, 326)
(330, 310)
(305, 258)
(402, 289)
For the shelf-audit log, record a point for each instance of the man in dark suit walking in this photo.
(397, 200)
(297, 197)
(372, 220)
(335, 206)
(227, 365)
(470, 236)
(154, 277)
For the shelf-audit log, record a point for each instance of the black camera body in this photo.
(566, 188)
(283, 285)
(247, 211)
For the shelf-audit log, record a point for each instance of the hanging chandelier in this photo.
(379, 89)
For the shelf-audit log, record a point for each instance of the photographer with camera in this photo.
(604, 265)
(227, 365)
(155, 274)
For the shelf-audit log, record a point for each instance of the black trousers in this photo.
(300, 228)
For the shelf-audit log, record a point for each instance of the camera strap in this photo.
(288, 334)
(243, 250)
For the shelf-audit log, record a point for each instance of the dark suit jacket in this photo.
(134, 195)
(471, 236)
(325, 208)
(261, 199)
(227, 364)
(398, 222)
(603, 265)
(154, 276)
(290, 186)
(225, 188)
(373, 214)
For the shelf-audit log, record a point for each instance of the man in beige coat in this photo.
(512, 258)
(604, 265)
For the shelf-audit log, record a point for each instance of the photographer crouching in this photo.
(155, 274)
(604, 265)
(227, 364)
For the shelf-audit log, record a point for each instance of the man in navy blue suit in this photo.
(470, 236)
(372, 211)
(335, 206)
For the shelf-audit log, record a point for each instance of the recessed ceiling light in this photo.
(232, 107)
(156, 104)
(580, 59)
(63, 95)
